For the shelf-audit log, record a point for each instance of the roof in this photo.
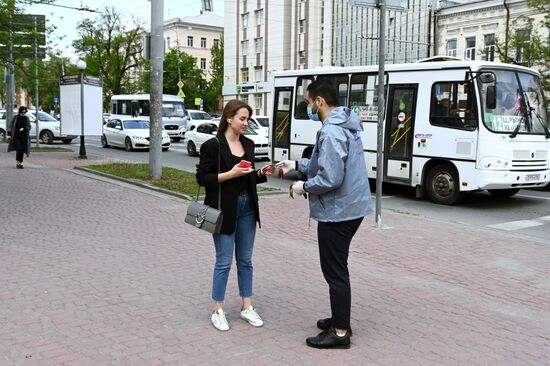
(206, 18)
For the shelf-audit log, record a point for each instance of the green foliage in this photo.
(111, 51)
(213, 91)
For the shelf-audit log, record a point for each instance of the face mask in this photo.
(312, 116)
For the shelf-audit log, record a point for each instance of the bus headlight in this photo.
(494, 163)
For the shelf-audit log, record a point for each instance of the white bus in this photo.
(450, 126)
(134, 105)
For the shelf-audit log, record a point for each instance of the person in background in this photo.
(339, 197)
(239, 204)
(20, 140)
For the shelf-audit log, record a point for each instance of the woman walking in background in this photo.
(20, 140)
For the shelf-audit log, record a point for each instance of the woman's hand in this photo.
(268, 170)
(237, 171)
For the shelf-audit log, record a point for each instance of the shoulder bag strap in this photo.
(219, 185)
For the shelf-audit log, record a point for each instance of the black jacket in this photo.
(207, 176)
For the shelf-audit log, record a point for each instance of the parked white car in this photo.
(256, 126)
(201, 132)
(49, 127)
(130, 133)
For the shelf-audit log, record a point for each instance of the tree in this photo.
(111, 51)
(526, 46)
(214, 88)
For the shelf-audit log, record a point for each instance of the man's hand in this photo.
(286, 166)
(298, 189)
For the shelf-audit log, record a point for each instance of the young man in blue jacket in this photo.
(339, 198)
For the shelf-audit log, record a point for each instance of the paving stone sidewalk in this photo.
(94, 273)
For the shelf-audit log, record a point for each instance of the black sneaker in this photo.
(325, 324)
(329, 339)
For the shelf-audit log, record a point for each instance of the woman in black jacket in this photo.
(20, 140)
(239, 204)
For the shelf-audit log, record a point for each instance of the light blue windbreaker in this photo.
(337, 183)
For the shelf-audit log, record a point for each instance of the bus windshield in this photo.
(172, 109)
(520, 105)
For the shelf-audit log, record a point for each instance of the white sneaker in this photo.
(251, 316)
(219, 321)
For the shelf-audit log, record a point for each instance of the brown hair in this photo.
(230, 110)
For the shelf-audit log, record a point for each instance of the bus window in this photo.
(113, 108)
(453, 105)
(124, 107)
(341, 82)
(363, 99)
(300, 108)
(281, 124)
(143, 106)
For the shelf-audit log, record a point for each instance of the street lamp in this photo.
(82, 66)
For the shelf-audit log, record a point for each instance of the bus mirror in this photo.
(487, 78)
(490, 98)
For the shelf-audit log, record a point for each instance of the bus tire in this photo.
(503, 193)
(442, 185)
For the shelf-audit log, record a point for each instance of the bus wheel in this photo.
(442, 185)
(503, 192)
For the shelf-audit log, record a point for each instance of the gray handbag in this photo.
(203, 216)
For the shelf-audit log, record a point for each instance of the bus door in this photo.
(282, 116)
(399, 129)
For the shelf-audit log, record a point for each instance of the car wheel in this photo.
(46, 137)
(2, 135)
(67, 141)
(503, 193)
(176, 139)
(442, 185)
(191, 148)
(104, 142)
(164, 149)
(128, 144)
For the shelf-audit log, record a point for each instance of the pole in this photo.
(10, 82)
(157, 58)
(82, 152)
(381, 106)
(36, 85)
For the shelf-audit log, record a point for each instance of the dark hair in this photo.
(230, 110)
(23, 109)
(324, 88)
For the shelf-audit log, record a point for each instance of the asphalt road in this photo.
(527, 213)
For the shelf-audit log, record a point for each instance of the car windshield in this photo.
(136, 125)
(172, 109)
(263, 121)
(200, 115)
(252, 123)
(45, 117)
(250, 131)
(520, 105)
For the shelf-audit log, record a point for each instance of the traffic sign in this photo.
(181, 94)
(180, 84)
(198, 101)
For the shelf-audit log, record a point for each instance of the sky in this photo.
(67, 20)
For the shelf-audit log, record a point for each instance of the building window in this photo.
(244, 98)
(168, 42)
(470, 48)
(244, 19)
(259, 45)
(259, 17)
(302, 26)
(259, 101)
(489, 40)
(258, 72)
(302, 55)
(216, 42)
(451, 47)
(203, 42)
(244, 75)
(189, 41)
(522, 38)
(244, 48)
(203, 63)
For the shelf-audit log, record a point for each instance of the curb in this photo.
(158, 189)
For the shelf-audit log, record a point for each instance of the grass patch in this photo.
(50, 149)
(172, 179)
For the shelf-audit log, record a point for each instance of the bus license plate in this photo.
(532, 177)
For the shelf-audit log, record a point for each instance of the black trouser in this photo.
(19, 155)
(334, 241)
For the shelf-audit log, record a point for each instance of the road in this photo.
(527, 213)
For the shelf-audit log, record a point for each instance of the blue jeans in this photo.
(243, 242)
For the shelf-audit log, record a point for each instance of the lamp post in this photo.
(82, 66)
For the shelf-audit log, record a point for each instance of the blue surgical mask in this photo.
(312, 116)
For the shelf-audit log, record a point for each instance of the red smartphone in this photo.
(245, 164)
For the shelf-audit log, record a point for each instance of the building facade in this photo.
(470, 31)
(195, 35)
